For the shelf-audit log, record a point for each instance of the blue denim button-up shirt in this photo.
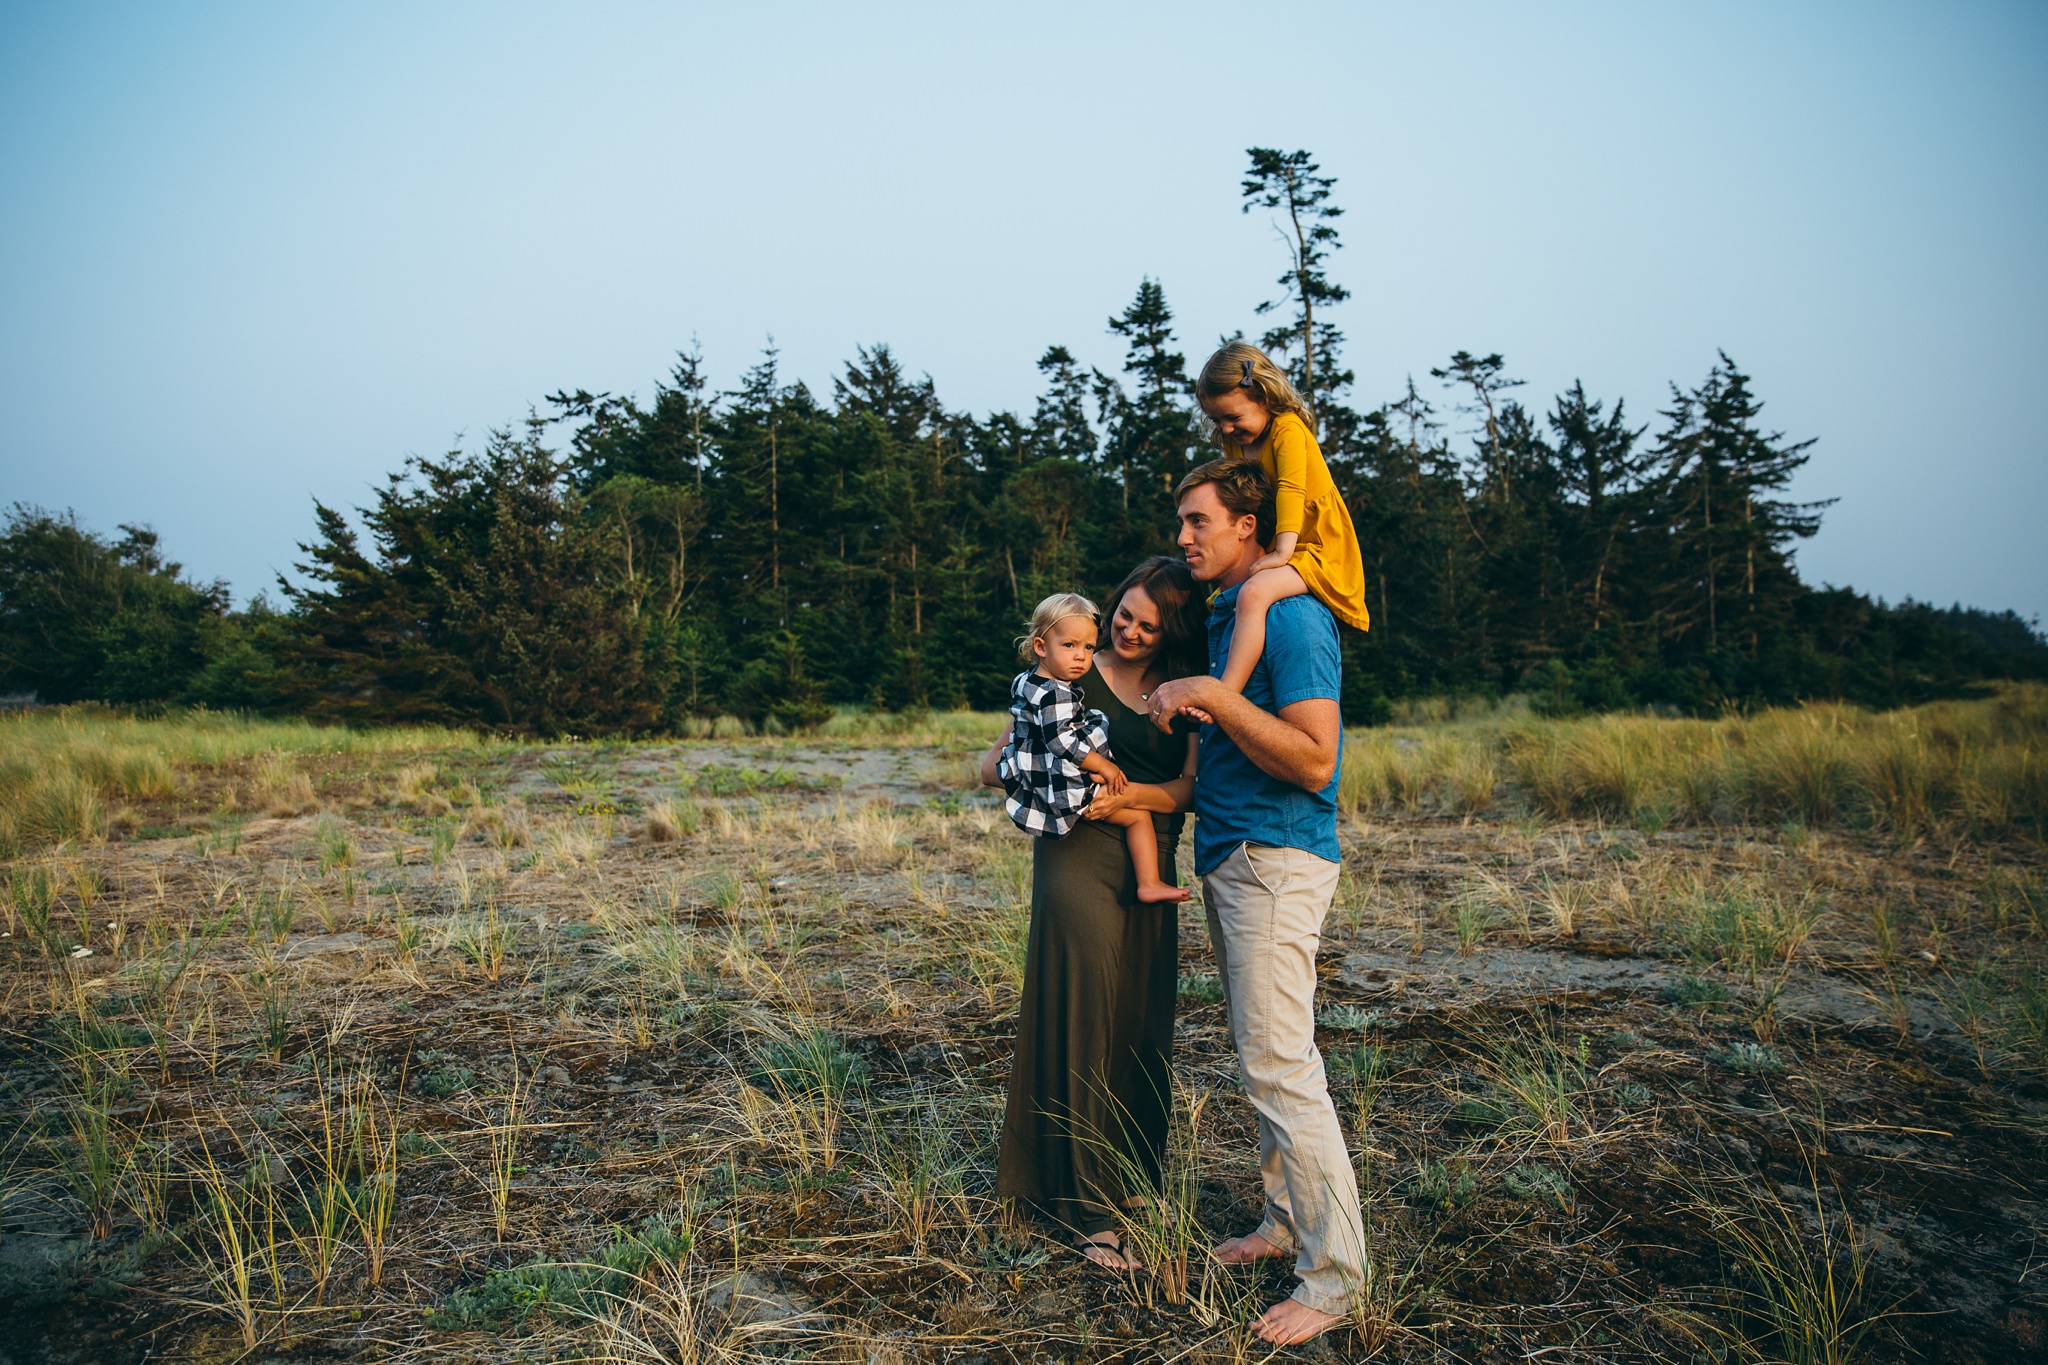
(1236, 803)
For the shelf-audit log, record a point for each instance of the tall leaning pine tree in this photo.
(1288, 182)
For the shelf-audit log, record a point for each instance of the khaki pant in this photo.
(1266, 909)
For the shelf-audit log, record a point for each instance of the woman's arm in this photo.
(1168, 798)
(989, 759)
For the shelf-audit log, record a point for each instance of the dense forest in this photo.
(616, 565)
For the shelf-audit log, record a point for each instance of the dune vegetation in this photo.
(1655, 1038)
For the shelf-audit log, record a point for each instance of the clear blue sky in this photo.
(257, 254)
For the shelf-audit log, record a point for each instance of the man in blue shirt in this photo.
(1266, 850)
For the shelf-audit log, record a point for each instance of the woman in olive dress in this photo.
(1090, 1088)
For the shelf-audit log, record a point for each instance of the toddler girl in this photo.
(1257, 412)
(1058, 751)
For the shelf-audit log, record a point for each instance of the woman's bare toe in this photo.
(1106, 1250)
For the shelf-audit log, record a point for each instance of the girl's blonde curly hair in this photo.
(1048, 614)
(1241, 365)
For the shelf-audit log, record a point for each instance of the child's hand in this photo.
(1111, 777)
(1197, 714)
(1098, 766)
(1271, 560)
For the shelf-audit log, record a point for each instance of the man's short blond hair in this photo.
(1241, 486)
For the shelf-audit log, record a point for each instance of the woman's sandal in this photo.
(1106, 1249)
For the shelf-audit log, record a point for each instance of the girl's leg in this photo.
(1143, 842)
(1248, 637)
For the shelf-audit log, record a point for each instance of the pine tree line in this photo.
(613, 566)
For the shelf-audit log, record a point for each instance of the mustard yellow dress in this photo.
(1306, 502)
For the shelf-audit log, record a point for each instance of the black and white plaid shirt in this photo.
(1041, 765)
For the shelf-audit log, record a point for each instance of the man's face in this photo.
(1211, 538)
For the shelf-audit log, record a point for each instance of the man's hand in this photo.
(1170, 699)
(1298, 746)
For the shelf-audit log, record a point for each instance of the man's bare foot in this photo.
(1106, 1249)
(1244, 1250)
(1291, 1322)
(1159, 892)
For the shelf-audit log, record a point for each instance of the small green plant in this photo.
(223, 839)
(32, 892)
(566, 1287)
(274, 997)
(1539, 1184)
(816, 1062)
(1350, 1018)
(1473, 922)
(1697, 992)
(371, 1125)
(1634, 1095)
(1199, 989)
(1752, 1059)
(726, 890)
(1445, 1185)
(405, 934)
(442, 1081)
(275, 912)
(485, 939)
(94, 1159)
(1542, 1081)
(1364, 1067)
(504, 1149)
(333, 845)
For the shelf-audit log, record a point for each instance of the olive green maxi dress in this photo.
(1090, 1089)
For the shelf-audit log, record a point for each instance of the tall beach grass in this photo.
(1977, 767)
(61, 767)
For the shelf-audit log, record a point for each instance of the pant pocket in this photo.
(1276, 865)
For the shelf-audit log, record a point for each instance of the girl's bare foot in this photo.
(1244, 1250)
(1159, 892)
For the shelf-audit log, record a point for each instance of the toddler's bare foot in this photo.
(1156, 893)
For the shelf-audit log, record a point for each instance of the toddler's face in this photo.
(1238, 416)
(1065, 651)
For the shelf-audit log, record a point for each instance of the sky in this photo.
(256, 255)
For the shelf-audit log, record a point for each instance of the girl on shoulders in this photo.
(1257, 414)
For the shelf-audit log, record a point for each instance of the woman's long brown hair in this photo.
(1183, 614)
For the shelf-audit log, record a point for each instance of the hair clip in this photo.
(1246, 382)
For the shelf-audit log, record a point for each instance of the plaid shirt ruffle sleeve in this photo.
(1052, 731)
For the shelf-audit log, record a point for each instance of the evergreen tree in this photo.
(1288, 181)
(82, 617)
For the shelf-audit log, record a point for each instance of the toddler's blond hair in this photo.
(1048, 614)
(1241, 365)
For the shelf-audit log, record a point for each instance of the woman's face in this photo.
(1135, 632)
